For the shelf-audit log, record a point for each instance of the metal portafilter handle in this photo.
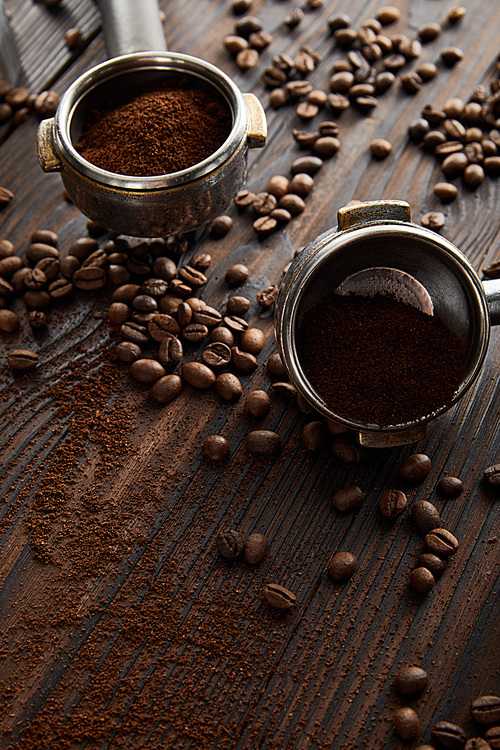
(131, 26)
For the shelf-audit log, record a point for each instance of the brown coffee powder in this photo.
(378, 360)
(156, 132)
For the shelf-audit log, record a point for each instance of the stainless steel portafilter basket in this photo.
(376, 248)
(157, 205)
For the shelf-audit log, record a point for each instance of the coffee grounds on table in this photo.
(157, 132)
(378, 360)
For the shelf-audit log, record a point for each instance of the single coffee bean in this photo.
(124, 293)
(162, 325)
(264, 203)
(306, 164)
(279, 597)
(347, 451)
(134, 332)
(406, 723)
(380, 148)
(314, 436)
(36, 299)
(393, 503)
(415, 467)
(9, 265)
(236, 274)
(263, 443)
(37, 319)
(477, 743)
(238, 305)
(278, 186)
(222, 334)
(147, 371)
(265, 225)
(166, 389)
(255, 549)
(22, 359)
(348, 498)
(60, 288)
(252, 341)
(230, 544)
(422, 580)
(118, 313)
(89, 278)
(170, 351)
(9, 321)
(442, 542)
(243, 361)
(276, 369)
(411, 681)
(244, 198)
(492, 475)
(448, 735)
(195, 333)
(451, 56)
(486, 709)
(45, 236)
(184, 314)
(450, 486)
(433, 220)
(268, 296)
(435, 564)
(285, 389)
(493, 737)
(427, 71)
(454, 165)
(207, 316)
(50, 267)
(198, 375)
(216, 355)
(216, 448)
(257, 403)
(473, 176)
(445, 191)
(301, 184)
(342, 566)
(228, 386)
(425, 516)
(128, 352)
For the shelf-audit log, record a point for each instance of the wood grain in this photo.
(121, 627)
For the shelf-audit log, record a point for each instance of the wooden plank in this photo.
(121, 626)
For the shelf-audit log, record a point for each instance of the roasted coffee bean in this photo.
(216, 355)
(128, 352)
(9, 321)
(170, 352)
(142, 317)
(292, 203)
(473, 176)
(6, 248)
(318, 97)
(448, 735)
(236, 274)
(256, 546)
(450, 486)
(265, 225)
(155, 288)
(268, 296)
(411, 681)
(342, 81)
(393, 503)
(45, 236)
(244, 198)
(293, 18)
(428, 32)
(179, 288)
(7, 289)
(50, 267)
(306, 164)
(486, 709)
(493, 737)
(222, 334)
(238, 305)
(230, 544)
(435, 564)
(406, 723)
(263, 443)
(340, 21)
(90, 278)
(83, 247)
(418, 129)
(304, 138)
(192, 276)
(388, 14)
(279, 597)
(124, 293)
(257, 403)
(198, 375)
(247, 58)
(216, 448)
(144, 303)
(278, 98)
(195, 333)
(252, 341)
(342, 566)
(22, 359)
(477, 743)
(37, 320)
(348, 498)
(6, 196)
(117, 275)
(147, 371)
(166, 389)
(248, 25)
(37, 299)
(235, 323)
(134, 332)
(442, 542)
(278, 186)
(162, 325)
(446, 191)
(455, 14)
(492, 475)
(228, 386)
(427, 71)
(296, 89)
(491, 165)
(345, 37)
(234, 43)
(451, 56)
(422, 580)
(60, 288)
(433, 220)
(259, 40)
(243, 361)
(314, 436)
(164, 268)
(9, 265)
(184, 314)
(380, 148)
(118, 313)
(285, 389)
(411, 82)
(306, 110)
(301, 184)
(454, 164)
(347, 451)
(425, 516)
(415, 467)
(207, 316)
(264, 203)
(281, 215)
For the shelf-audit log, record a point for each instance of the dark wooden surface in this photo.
(120, 625)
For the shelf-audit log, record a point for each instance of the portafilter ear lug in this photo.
(257, 124)
(492, 290)
(358, 214)
(392, 439)
(47, 156)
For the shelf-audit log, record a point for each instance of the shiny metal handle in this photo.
(132, 26)
(492, 291)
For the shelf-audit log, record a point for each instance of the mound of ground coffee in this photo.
(160, 131)
(378, 360)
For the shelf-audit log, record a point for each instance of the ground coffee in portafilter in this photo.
(378, 360)
(160, 131)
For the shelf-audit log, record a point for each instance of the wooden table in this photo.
(121, 626)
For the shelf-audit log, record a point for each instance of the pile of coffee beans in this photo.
(17, 104)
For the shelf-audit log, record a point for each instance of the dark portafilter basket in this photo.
(157, 205)
(376, 249)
